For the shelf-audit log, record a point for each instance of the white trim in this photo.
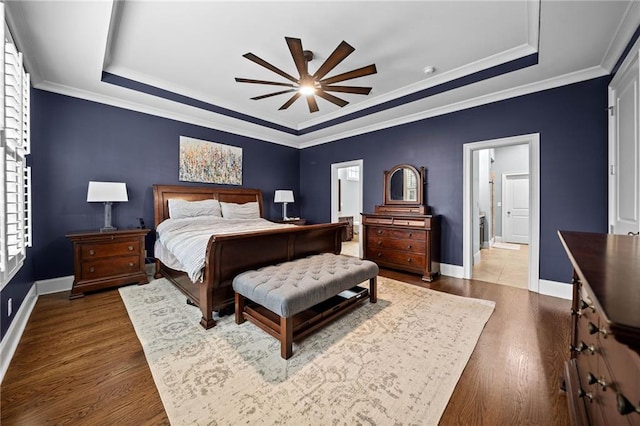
(624, 32)
(11, 339)
(477, 257)
(334, 193)
(556, 289)
(533, 141)
(54, 285)
(454, 271)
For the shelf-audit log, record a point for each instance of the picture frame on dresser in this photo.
(401, 233)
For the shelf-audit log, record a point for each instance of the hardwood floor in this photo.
(79, 362)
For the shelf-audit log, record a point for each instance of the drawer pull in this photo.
(582, 346)
(576, 313)
(593, 329)
(379, 243)
(409, 246)
(584, 305)
(130, 248)
(92, 252)
(410, 234)
(625, 406)
(131, 264)
(591, 379)
(583, 394)
(92, 269)
(409, 260)
(379, 254)
(379, 231)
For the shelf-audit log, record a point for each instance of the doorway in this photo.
(531, 224)
(346, 201)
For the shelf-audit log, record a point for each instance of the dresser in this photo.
(107, 259)
(408, 243)
(602, 376)
(400, 234)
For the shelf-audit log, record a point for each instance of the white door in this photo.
(624, 156)
(516, 208)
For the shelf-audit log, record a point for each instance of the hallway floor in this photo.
(504, 266)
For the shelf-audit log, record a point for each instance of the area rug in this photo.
(394, 362)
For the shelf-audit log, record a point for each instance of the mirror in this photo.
(403, 185)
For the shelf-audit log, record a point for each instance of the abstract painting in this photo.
(209, 162)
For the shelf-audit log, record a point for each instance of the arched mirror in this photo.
(404, 184)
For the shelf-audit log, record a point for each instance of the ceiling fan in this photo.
(312, 85)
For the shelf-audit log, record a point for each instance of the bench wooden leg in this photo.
(239, 308)
(286, 337)
(373, 289)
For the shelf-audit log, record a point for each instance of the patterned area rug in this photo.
(393, 362)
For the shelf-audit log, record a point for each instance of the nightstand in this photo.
(297, 221)
(107, 259)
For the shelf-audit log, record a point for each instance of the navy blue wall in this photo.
(572, 122)
(75, 141)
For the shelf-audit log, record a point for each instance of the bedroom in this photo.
(76, 139)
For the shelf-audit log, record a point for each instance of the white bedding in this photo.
(187, 238)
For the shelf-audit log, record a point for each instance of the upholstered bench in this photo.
(294, 287)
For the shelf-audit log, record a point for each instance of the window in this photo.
(15, 175)
(353, 173)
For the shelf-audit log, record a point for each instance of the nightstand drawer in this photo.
(120, 248)
(109, 267)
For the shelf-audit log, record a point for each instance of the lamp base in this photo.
(108, 229)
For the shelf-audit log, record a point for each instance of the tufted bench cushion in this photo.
(291, 287)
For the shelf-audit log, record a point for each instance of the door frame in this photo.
(334, 193)
(505, 177)
(533, 141)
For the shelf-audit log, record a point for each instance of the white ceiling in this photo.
(195, 49)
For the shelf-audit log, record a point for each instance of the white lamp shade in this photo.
(107, 192)
(283, 196)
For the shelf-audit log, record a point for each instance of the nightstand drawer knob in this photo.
(92, 269)
(92, 252)
(130, 248)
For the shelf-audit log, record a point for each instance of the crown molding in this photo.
(623, 35)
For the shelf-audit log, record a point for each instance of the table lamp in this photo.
(107, 193)
(283, 196)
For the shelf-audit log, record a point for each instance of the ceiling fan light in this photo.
(307, 89)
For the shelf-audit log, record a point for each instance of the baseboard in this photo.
(454, 271)
(555, 289)
(54, 285)
(11, 339)
(477, 257)
(498, 239)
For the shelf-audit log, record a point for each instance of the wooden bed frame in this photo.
(229, 255)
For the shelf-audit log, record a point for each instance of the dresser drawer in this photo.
(623, 365)
(100, 250)
(401, 234)
(109, 267)
(378, 220)
(399, 259)
(413, 246)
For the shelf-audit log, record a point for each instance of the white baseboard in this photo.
(10, 342)
(54, 285)
(555, 289)
(498, 239)
(454, 271)
(477, 257)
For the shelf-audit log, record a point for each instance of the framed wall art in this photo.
(209, 162)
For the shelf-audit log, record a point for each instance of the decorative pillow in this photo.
(240, 211)
(182, 208)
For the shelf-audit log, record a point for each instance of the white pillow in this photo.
(240, 211)
(182, 208)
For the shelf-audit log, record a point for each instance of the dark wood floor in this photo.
(79, 362)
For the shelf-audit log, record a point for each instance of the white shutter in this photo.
(15, 176)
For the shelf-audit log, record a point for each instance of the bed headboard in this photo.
(163, 193)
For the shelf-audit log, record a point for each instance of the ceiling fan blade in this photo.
(343, 50)
(267, 65)
(272, 83)
(348, 89)
(295, 47)
(360, 72)
(273, 94)
(313, 105)
(331, 98)
(291, 100)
